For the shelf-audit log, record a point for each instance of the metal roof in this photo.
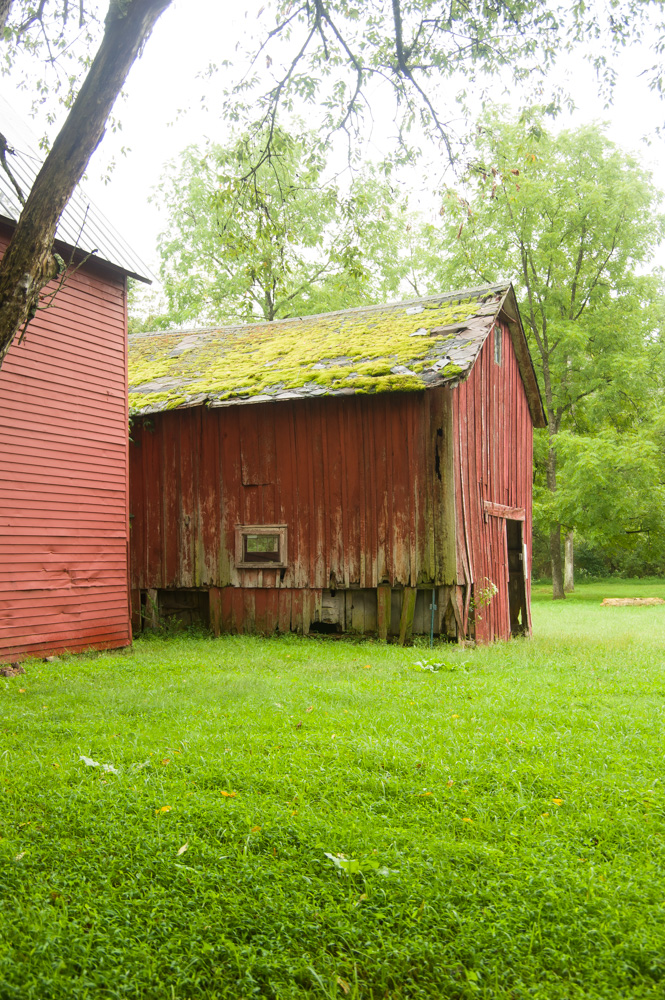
(400, 347)
(82, 225)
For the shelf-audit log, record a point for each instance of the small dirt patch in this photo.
(11, 669)
(620, 602)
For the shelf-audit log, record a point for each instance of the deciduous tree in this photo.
(572, 220)
(284, 241)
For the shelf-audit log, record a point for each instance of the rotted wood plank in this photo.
(406, 618)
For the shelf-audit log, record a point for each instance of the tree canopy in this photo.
(287, 241)
(334, 52)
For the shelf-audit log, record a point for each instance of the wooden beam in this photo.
(383, 604)
(499, 510)
(406, 618)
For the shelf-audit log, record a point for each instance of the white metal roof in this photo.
(82, 224)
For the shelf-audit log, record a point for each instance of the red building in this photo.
(63, 444)
(338, 472)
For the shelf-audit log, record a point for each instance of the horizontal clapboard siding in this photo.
(63, 473)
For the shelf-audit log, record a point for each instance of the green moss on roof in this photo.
(357, 350)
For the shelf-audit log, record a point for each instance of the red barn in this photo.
(367, 470)
(63, 443)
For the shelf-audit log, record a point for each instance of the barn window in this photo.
(498, 343)
(261, 546)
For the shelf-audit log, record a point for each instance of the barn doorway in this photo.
(519, 617)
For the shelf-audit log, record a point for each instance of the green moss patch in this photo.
(358, 350)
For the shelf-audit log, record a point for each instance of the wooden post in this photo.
(215, 610)
(135, 596)
(383, 606)
(152, 609)
(406, 618)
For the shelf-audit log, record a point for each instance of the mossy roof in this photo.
(399, 347)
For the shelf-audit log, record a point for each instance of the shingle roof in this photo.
(82, 225)
(399, 347)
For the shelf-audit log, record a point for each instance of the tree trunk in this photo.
(5, 7)
(29, 262)
(555, 532)
(569, 563)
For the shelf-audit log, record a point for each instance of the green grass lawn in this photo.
(294, 818)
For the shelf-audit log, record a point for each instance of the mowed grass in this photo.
(495, 825)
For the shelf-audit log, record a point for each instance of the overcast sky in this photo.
(165, 82)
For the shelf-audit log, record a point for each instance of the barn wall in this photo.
(357, 480)
(63, 474)
(493, 439)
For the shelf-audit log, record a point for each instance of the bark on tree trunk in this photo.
(555, 533)
(5, 7)
(569, 563)
(29, 262)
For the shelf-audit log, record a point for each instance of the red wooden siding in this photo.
(63, 473)
(351, 477)
(493, 462)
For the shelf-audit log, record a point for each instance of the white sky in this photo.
(164, 82)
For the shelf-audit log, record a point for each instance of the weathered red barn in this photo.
(367, 470)
(63, 443)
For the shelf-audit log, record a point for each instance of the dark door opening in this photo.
(519, 617)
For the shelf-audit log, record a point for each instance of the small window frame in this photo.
(242, 530)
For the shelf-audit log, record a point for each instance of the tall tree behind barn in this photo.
(63, 440)
(339, 472)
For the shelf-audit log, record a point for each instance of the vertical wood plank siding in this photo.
(493, 440)
(63, 474)
(346, 475)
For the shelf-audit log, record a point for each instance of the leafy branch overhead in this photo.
(418, 59)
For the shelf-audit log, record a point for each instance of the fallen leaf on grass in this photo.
(255, 829)
(557, 802)
(167, 760)
(466, 819)
(343, 983)
(21, 855)
(21, 690)
(181, 850)
(310, 709)
(228, 795)
(163, 809)
(423, 795)
(367, 666)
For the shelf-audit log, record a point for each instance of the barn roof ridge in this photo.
(393, 347)
(82, 225)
